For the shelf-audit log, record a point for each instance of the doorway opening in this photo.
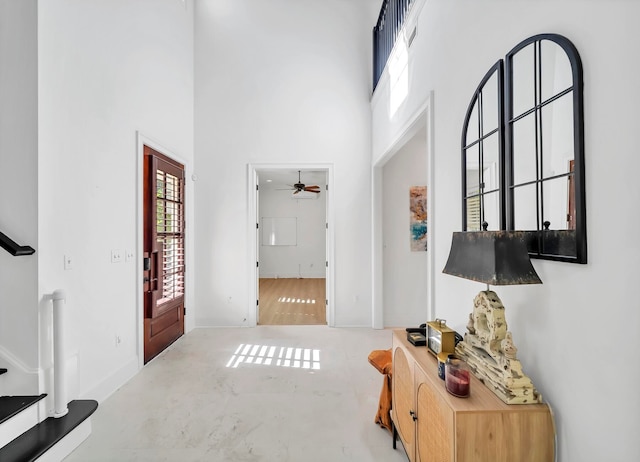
(292, 241)
(416, 135)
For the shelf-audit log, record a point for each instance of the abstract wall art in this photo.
(418, 221)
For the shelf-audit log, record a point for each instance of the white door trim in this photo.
(422, 118)
(252, 177)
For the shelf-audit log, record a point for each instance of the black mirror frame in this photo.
(578, 146)
(560, 239)
(498, 69)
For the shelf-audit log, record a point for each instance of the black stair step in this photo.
(11, 405)
(2, 370)
(37, 440)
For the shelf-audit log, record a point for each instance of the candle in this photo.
(457, 382)
(457, 377)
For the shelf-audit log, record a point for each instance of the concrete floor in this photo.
(270, 393)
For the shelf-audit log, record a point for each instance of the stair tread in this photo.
(38, 439)
(11, 405)
(2, 370)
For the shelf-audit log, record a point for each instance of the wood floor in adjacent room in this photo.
(285, 301)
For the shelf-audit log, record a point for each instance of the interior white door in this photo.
(257, 267)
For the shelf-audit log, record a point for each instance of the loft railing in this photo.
(385, 32)
(13, 248)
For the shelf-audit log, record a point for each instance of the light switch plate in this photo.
(116, 256)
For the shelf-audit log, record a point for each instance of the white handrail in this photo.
(59, 373)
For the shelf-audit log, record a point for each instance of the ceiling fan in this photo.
(299, 186)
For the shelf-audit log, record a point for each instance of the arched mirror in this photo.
(544, 147)
(523, 150)
(483, 155)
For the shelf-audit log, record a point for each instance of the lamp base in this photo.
(490, 353)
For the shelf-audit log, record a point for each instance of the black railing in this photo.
(14, 249)
(385, 32)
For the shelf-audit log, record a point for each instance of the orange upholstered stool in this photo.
(381, 360)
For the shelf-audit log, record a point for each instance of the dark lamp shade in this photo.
(496, 258)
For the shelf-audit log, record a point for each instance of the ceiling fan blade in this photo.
(289, 187)
(315, 189)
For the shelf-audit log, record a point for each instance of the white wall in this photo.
(559, 326)
(289, 81)
(306, 258)
(18, 194)
(107, 69)
(281, 82)
(405, 290)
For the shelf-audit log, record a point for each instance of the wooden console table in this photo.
(436, 426)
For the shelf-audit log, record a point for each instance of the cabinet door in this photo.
(434, 431)
(403, 400)
(524, 434)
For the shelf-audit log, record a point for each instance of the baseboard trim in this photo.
(293, 276)
(110, 384)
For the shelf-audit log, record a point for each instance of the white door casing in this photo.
(253, 235)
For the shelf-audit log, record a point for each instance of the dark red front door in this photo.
(163, 252)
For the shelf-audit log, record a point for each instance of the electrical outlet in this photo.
(116, 256)
(68, 262)
(118, 340)
(128, 255)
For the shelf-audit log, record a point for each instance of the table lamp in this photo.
(494, 258)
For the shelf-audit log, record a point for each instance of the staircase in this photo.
(26, 434)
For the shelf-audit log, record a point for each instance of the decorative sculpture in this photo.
(490, 353)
